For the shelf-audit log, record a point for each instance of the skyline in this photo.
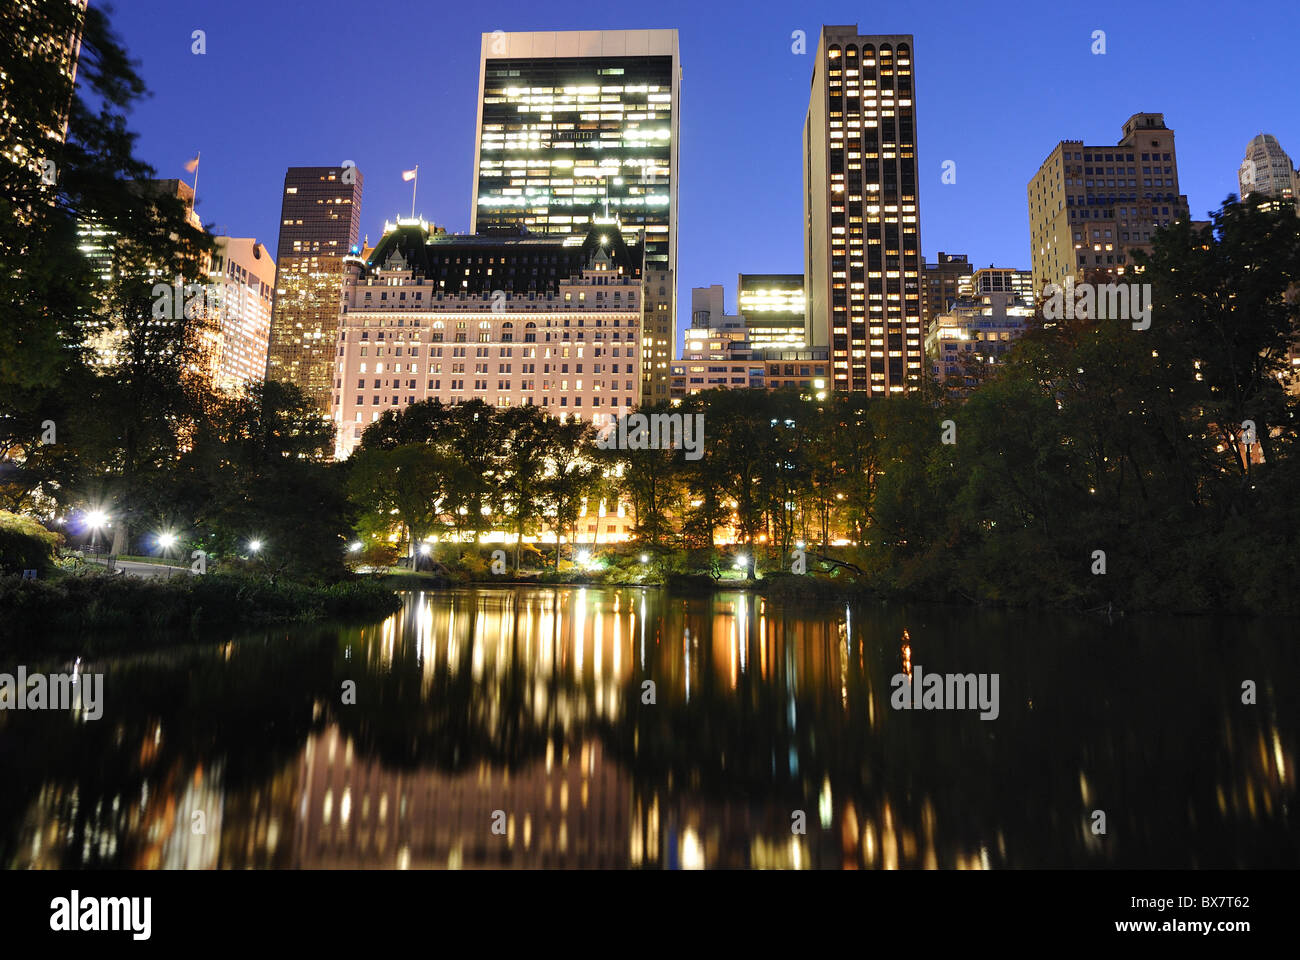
(372, 118)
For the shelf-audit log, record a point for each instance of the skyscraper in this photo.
(1091, 207)
(579, 125)
(862, 249)
(320, 222)
(1267, 171)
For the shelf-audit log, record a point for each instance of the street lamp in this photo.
(354, 546)
(254, 546)
(166, 540)
(96, 519)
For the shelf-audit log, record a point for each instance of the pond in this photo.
(637, 728)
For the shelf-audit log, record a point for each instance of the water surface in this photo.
(511, 727)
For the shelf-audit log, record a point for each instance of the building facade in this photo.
(991, 279)
(320, 223)
(774, 308)
(942, 284)
(1267, 172)
(576, 126)
(246, 274)
(862, 248)
(509, 319)
(972, 337)
(1090, 208)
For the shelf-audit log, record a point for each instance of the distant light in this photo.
(584, 557)
(742, 561)
(645, 558)
(96, 518)
(354, 546)
(166, 540)
(425, 549)
(254, 546)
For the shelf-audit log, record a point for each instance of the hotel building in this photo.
(320, 222)
(1091, 207)
(862, 249)
(579, 125)
(506, 317)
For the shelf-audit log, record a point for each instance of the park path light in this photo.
(166, 540)
(354, 546)
(254, 546)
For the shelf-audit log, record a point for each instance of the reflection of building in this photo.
(579, 125)
(510, 320)
(862, 251)
(570, 809)
(1091, 207)
(320, 219)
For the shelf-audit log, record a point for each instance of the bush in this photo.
(25, 545)
(182, 602)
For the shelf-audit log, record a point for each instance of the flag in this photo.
(409, 175)
(192, 165)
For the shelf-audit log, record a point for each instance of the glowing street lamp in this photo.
(354, 546)
(645, 558)
(254, 546)
(166, 540)
(96, 520)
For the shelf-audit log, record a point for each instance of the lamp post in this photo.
(96, 519)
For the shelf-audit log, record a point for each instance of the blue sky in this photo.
(390, 84)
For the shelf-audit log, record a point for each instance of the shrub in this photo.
(25, 545)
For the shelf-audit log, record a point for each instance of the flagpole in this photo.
(415, 182)
(198, 156)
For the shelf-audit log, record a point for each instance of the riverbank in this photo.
(35, 608)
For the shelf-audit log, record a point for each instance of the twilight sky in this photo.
(390, 84)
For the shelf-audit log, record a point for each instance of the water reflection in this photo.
(627, 728)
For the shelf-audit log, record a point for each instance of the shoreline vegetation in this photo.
(182, 606)
(132, 612)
